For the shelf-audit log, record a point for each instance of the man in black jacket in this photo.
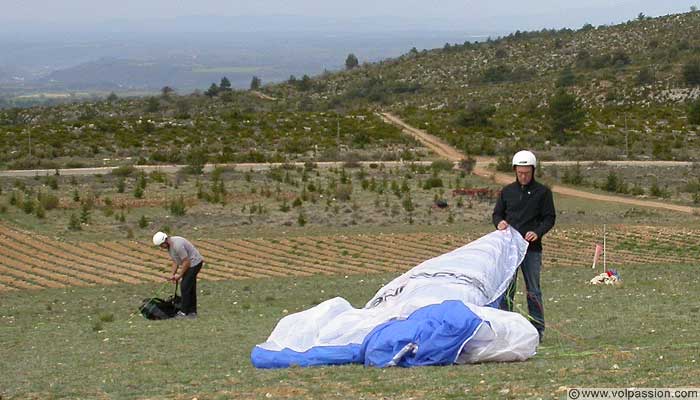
(528, 207)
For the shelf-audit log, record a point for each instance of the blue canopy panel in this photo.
(321, 355)
(432, 335)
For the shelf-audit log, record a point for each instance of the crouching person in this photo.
(186, 258)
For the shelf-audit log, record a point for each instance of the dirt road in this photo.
(173, 168)
(482, 169)
(263, 95)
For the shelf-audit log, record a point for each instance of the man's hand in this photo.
(531, 236)
(502, 225)
(175, 278)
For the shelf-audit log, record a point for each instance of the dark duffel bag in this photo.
(157, 308)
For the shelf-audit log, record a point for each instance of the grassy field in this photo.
(85, 342)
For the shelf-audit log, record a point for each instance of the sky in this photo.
(448, 13)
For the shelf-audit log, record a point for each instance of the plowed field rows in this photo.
(28, 261)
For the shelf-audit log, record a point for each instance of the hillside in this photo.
(633, 80)
(596, 93)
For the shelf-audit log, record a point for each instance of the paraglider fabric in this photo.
(437, 313)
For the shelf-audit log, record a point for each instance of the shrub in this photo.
(121, 185)
(645, 76)
(611, 182)
(196, 159)
(566, 78)
(74, 223)
(177, 206)
(691, 72)
(284, 207)
(28, 206)
(158, 176)
(573, 176)
(48, 201)
(432, 182)
(40, 212)
(143, 222)
(467, 164)
(504, 163)
(407, 204)
(85, 213)
(657, 191)
(565, 113)
(441, 165)
(476, 115)
(52, 181)
(496, 74)
(694, 112)
(124, 170)
(343, 192)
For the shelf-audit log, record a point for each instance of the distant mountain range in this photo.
(185, 61)
(191, 52)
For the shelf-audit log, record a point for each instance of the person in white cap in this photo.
(186, 257)
(527, 206)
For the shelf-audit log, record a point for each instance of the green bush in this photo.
(407, 204)
(178, 207)
(432, 182)
(467, 164)
(504, 163)
(476, 115)
(40, 212)
(691, 72)
(441, 165)
(74, 223)
(694, 112)
(343, 192)
(48, 201)
(124, 170)
(645, 76)
(565, 114)
(28, 206)
(572, 175)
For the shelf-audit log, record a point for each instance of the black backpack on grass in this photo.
(157, 308)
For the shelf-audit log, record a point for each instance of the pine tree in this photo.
(351, 62)
(225, 84)
(255, 83)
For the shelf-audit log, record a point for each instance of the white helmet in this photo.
(159, 238)
(524, 158)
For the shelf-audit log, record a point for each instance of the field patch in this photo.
(31, 261)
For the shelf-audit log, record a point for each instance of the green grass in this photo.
(84, 342)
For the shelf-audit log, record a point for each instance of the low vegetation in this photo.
(86, 342)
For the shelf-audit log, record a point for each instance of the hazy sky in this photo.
(570, 13)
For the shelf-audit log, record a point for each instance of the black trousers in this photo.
(188, 289)
(531, 266)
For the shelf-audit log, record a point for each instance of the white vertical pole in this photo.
(605, 253)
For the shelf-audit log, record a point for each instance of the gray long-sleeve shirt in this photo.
(181, 249)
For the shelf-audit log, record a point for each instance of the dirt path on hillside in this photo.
(262, 95)
(482, 169)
